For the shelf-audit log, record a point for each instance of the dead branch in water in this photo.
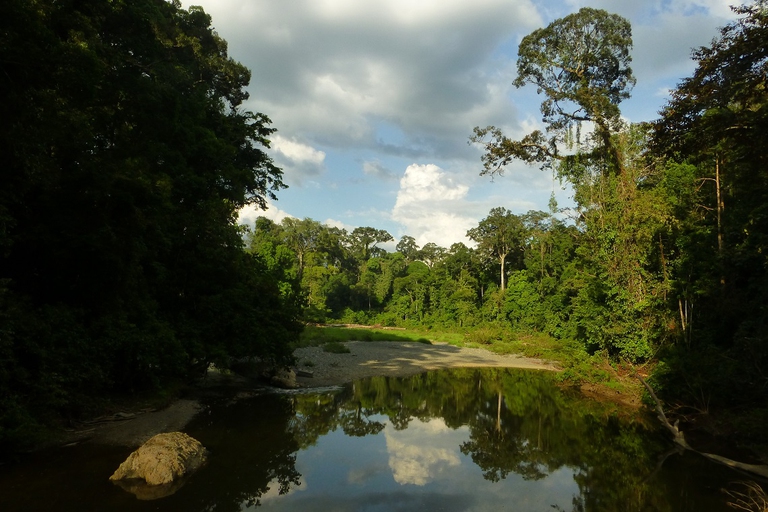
(678, 436)
(679, 439)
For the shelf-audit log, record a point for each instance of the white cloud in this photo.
(416, 456)
(297, 152)
(299, 161)
(325, 70)
(273, 490)
(373, 85)
(248, 214)
(429, 205)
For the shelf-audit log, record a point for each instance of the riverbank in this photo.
(131, 428)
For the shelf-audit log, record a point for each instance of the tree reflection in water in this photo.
(520, 422)
(506, 422)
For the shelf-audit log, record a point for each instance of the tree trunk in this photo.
(502, 261)
(720, 208)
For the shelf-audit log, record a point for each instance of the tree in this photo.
(408, 248)
(500, 234)
(302, 236)
(581, 65)
(363, 240)
(431, 253)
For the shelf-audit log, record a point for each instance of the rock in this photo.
(285, 379)
(161, 461)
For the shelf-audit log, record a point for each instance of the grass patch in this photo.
(314, 336)
(335, 347)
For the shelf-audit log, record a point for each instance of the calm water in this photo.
(453, 440)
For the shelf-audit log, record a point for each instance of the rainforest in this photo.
(127, 153)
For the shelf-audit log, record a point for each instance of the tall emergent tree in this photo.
(363, 241)
(580, 63)
(126, 154)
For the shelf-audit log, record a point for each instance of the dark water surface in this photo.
(451, 440)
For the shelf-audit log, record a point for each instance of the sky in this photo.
(374, 101)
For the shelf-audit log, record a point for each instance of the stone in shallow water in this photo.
(151, 471)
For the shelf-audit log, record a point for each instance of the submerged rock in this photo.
(151, 471)
(285, 379)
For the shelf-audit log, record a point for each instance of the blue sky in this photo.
(374, 100)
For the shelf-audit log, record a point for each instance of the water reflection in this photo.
(460, 440)
(524, 435)
(419, 455)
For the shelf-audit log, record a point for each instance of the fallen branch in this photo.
(679, 439)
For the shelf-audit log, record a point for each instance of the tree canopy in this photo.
(580, 63)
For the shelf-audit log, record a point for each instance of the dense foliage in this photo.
(126, 155)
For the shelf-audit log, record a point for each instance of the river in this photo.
(450, 440)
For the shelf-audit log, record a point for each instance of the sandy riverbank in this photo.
(366, 359)
(399, 359)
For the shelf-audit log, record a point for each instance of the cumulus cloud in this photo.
(327, 69)
(297, 152)
(382, 83)
(338, 224)
(431, 205)
(248, 214)
(276, 491)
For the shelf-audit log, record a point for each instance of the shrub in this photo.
(335, 347)
(484, 335)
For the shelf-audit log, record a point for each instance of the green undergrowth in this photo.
(577, 366)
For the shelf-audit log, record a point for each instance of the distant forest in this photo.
(127, 155)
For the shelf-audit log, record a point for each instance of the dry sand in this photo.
(372, 358)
